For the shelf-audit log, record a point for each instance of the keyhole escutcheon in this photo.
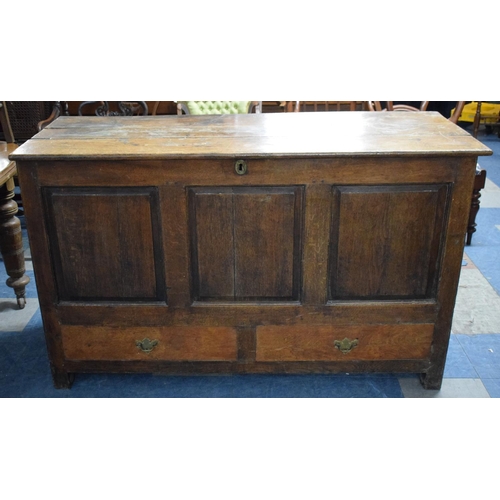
(241, 167)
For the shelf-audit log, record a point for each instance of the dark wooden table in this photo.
(11, 242)
(265, 243)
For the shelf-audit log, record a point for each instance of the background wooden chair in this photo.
(218, 107)
(488, 114)
(424, 105)
(479, 179)
(390, 106)
(11, 241)
(113, 108)
(25, 117)
(297, 106)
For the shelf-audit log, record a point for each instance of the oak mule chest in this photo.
(264, 243)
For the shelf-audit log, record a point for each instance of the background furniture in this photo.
(25, 119)
(390, 106)
(250, 243)
(325, 106)
(490, 116)
(218, 107)
(170, 107)
(113, 108)
(11, 242)
(25, 116)
(443, 107)
(479, 112)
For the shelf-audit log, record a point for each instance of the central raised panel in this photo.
(246, 243)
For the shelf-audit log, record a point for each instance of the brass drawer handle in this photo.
(346, 345)
(146, 345)
(241, 167)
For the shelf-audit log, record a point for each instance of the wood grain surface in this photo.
(255, 135)
(175, 344)
(375, 342)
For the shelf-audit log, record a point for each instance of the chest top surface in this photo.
(252, 135)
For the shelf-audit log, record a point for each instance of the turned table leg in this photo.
(479, 183)
(11, 242)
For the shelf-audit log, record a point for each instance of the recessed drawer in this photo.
(330, 343)
(152, 343)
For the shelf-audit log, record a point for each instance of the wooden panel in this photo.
(36, 221)
(106, 244)
(452, 257)
(262, 172)
(174, 344)
(174, 219)
(250, 313)
(386, 241)
(246, 344)
(246, 243)
(228, 367)
(375, 342)
(317, 226)
(267, 233)
(212, 243)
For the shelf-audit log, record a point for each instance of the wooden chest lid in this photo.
(320, 134)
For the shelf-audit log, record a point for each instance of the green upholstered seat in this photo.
(216, 107)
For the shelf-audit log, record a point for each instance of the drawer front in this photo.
(155, 343)
(329, 343)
